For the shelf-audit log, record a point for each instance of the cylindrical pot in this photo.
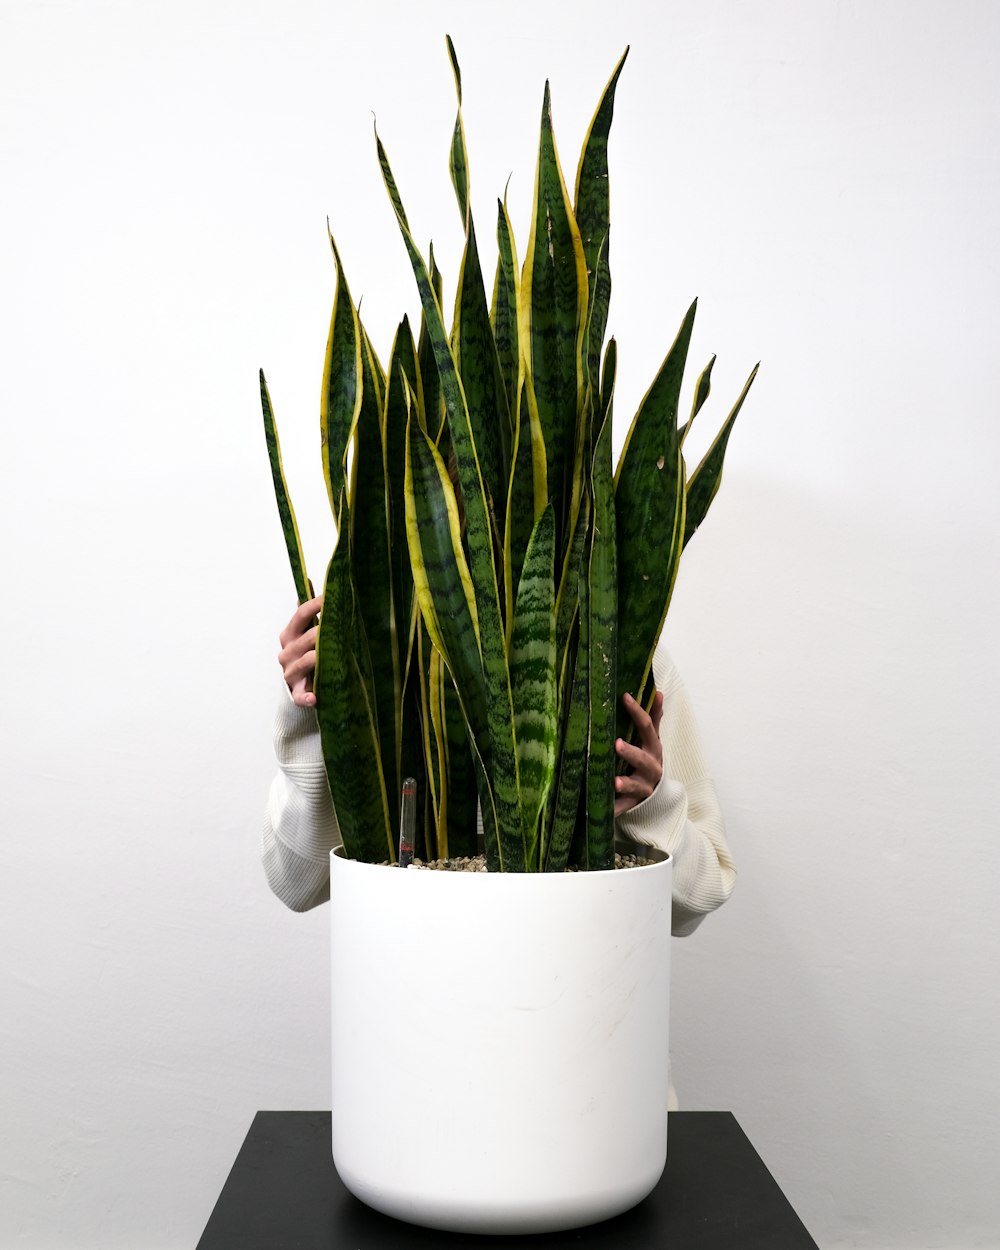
(500, 1042)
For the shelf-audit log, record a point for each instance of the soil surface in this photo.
(477, 863)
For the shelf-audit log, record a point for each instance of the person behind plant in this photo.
(668, 799)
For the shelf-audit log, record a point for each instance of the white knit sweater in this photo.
(681, 816)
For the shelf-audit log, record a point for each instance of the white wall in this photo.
(825, 177)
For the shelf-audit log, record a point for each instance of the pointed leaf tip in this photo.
(452, 56)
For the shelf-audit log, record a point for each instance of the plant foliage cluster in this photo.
(496, 586)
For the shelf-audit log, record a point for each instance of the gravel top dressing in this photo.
(477, 863)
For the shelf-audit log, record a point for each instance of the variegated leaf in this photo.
(649, 500)
(293, 543)
(340, 400)
(502, 753)
(348, 734)
(370, 565)
(604, 643)
(701, 392)
(593, 215)
(707, 478)
(554, 297)
(504, 316)
(533, 676)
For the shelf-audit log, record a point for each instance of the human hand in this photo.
(645, 757)
(297, 656)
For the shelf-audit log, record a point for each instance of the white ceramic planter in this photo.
(500, 1043)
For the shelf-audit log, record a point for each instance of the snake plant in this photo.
(496, 585)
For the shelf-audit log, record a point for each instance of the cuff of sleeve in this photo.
(658, 820)
(296, 734)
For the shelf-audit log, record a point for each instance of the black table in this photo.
(716, 1194)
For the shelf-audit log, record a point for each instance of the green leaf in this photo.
(293, 543)
(533, 676)
(441, 576)
(502, 753)
(649, 500)
(443, 590)
(526, 498)
(347, 728)
(403, 370)
(370, 565)
(432, 758)
(340, 400)
(472, 341)
(412, 755)
(568, 598)
(701, 392)
(461, 776)
(437, 676)
(576, 732)
(554, 314)
(579, 511)
(430, 387)
(707, 478)
(504, 314)
(476, 358)
(458, 159)
(593, 215)
(603, 664)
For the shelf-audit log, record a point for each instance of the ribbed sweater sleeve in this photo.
(682, 815)
(300, 826)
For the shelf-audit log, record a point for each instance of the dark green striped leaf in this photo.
(293, 543)
(554, 298)
(526, 494)
(412, 743)
(437, 675)
(461, 776)
(441, 577)
(340, 400)
(403, 372)
(701, 392)
(568, 598)
(502, 753)
(649, 500)
(432, 411)
(604, 642)
(472, 341)
(347, 728)
(441, 582)
(458, 159)
(476, 358)
(593, 215)
(432, 757)
(579, 510)
(575, 734)
(370, 565)
(504, 313)
(533, 676)
(707, 478)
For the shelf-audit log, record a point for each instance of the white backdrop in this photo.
(825, 178)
